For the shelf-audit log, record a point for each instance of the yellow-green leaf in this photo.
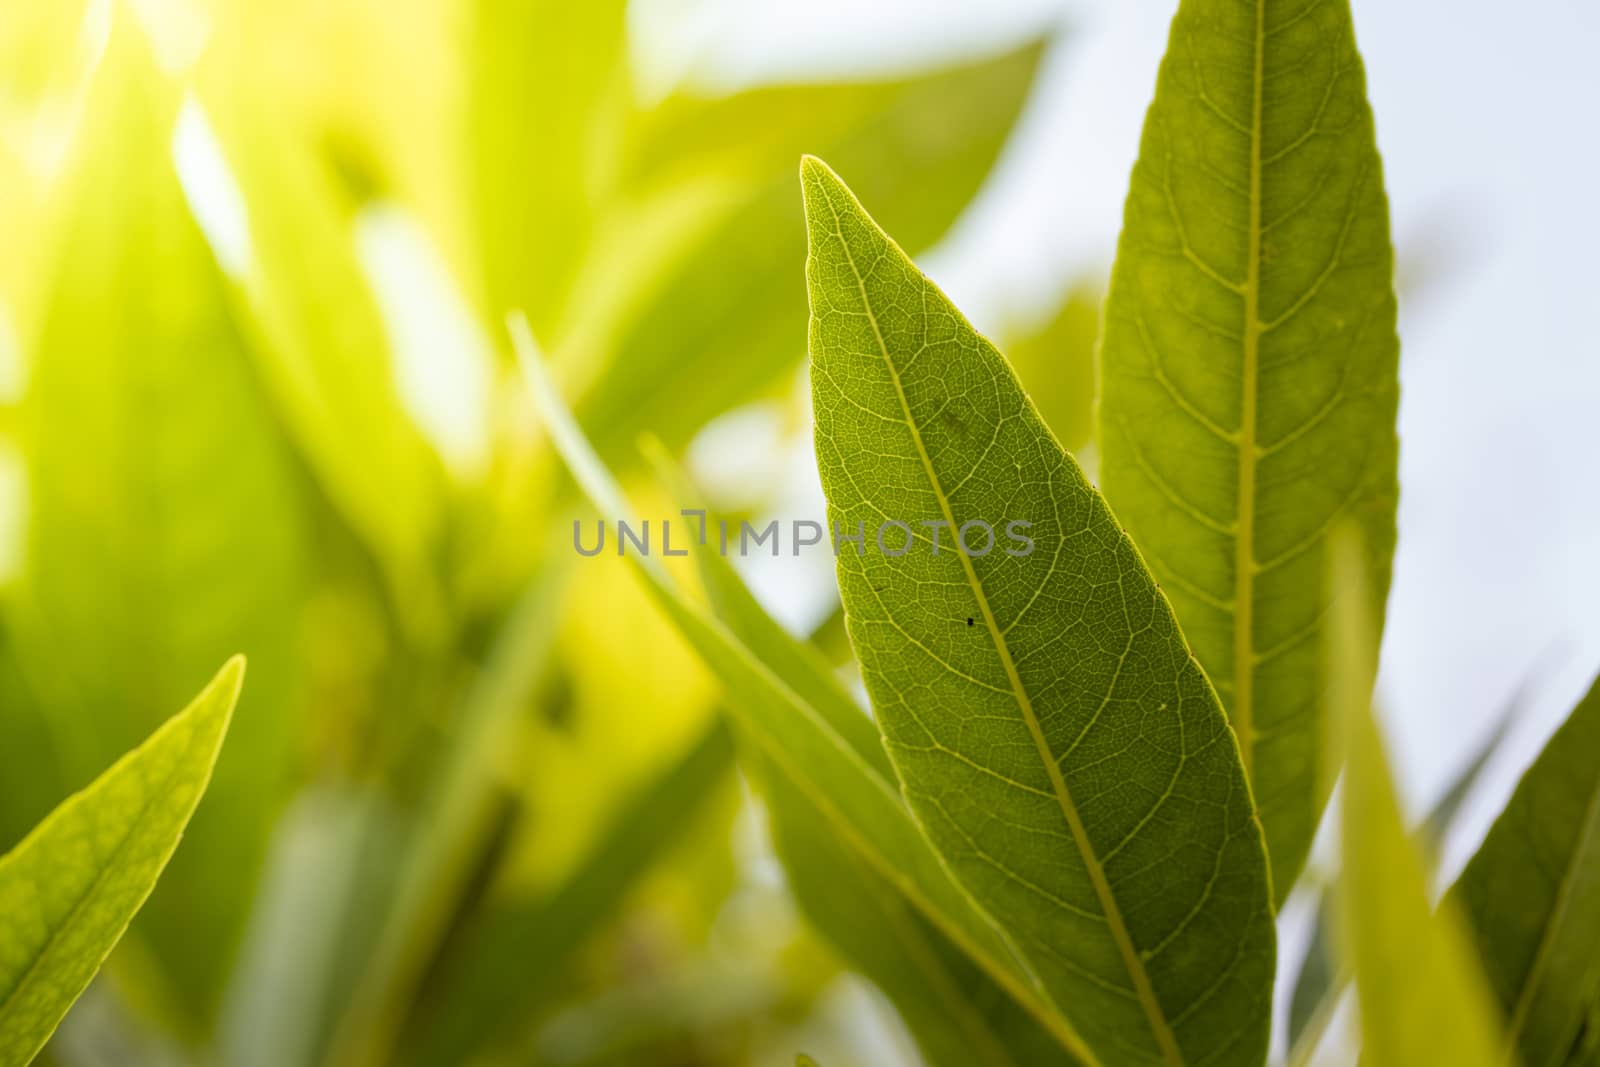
(1421, 990)
(69, 889)
(956, 1012)
(317, 334)
(1058, 744)
(1249, 367)
(699, 341)
(166, 519)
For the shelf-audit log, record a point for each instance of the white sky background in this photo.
(1486, 119)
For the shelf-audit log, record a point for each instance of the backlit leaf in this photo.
(700, 341)
(839, 773)
(1249, 367)
(957, 1014)
(1532, 894)
(316, 331)
(1057, 742)
(1319, 984)
(1422, 993)
(477, 1007)
(69, 889)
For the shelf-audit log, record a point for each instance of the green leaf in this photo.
(1055, 362)
(537, 128)
(956, 1013)
(440, 852)
(68, 891)
(166, 523)
(1318, 987)
(837, 771)
(1422, 993)
(477, 1008)
(1057, 742)
(1249, 367)
(1532, 894)
(699, 341)
(315, 891)
(317, 335)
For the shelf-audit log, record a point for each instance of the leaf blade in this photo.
(1250, 367)
(924, 389)
(47, 962)
(823, 764)
(695, 344)
(1422, 995)
(955, 1010)
(1532, 893)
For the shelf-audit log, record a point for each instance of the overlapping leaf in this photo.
(69, 889)
(1322, 978)
(1057, 742)
(723, 319)
(1532, 895)
(316, 333)
(1422, 993)
(822, 754)
(1249, 366)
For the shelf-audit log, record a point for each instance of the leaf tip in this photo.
(221, 696)
(816, 178)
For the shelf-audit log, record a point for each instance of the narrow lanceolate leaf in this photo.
(815, 749)
(1061, 748)
(1249, 367)
(1320, 983)
(1421, 990)
(954, 1010)
(69, 889)
(1532, 894)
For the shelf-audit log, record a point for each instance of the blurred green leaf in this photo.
(318, 337)
(315, 895)
(1422, 993)
(725, 320)
(542, 72)
(41, 47)
(1317, 987)
(841, 780)
(477, 1008)
(68, 891)
(1249, 368)
(1055, 359)
(165, 522)
(1057, 742)
(441, 851)
(1532, 894)
(957, 1014)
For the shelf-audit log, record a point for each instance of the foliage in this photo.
(1112, 590)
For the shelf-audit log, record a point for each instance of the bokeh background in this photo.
(255, 394)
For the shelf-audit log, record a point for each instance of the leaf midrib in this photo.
(1588, 849)
(1241, 708)
(1108, 904)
